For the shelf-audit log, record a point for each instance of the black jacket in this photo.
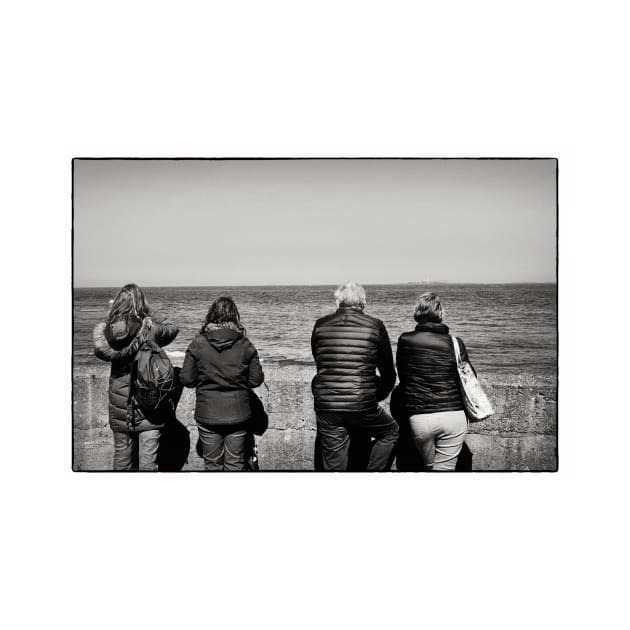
(223, 365)
(425, 359)
(348, 347)
(118, 343)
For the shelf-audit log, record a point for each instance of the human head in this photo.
(428, 309)
(350, 294)
(129, 301)
(223, 310)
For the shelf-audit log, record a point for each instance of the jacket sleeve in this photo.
(189, 374)
(101, 348)
(102, 354)
(400, 366)
(255, 374)
(313, 342)
(385, 365)
(163, 331)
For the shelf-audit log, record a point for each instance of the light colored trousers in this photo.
(143, 444)
(439, 437)
(223, 446)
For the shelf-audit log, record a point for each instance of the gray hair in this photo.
(428, 309)
(350, 294)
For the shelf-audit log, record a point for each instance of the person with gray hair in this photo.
(355, 371)
(428, 402)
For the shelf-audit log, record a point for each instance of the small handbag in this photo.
(476, 402)
(258, 422)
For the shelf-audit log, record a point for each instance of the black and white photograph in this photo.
(328, 251)
(315, 315)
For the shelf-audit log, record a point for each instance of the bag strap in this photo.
(144, 337)
(132, 376)
(131, 408)
(458, 358)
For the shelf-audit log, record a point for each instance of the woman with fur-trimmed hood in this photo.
(222, 363)
(117, 340)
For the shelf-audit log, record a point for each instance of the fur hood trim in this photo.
(222, 325)
(104, 351)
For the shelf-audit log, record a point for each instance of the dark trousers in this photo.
(223, 446)
(358, 452)
(334, 432)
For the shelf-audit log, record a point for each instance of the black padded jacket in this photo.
(425, 359)
(349, 347)
(118, 344)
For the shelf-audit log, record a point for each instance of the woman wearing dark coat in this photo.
(428, 400)
(223, 365)
(117, 340)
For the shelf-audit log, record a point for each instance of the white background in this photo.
(317, 79)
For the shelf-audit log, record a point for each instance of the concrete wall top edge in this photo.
(304, 374)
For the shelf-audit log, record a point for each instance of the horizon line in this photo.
(314, 284)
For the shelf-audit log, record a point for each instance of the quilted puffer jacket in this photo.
(118, 344)
(425, 360)
(349, 347)
(223, 365)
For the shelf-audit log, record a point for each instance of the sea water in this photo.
(507, 328)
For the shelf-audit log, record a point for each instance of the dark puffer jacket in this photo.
(425, 359)
(348, 347)
(118, 343)
(223, 365)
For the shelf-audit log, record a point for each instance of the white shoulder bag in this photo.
(476, 402)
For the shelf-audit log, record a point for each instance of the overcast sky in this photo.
(162, 223)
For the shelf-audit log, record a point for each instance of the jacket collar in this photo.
(434, 327)
(224, 330)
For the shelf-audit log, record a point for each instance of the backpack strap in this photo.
(143, 336)
(131, 408)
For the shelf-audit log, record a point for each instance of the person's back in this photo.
(348, 347)
(117, 341)
(355, 370)
(428, 402)
(223, 365)
(226, 366)
(427, 369)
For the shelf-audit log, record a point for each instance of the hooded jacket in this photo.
(429, 381)
(223, 364)
(349, 346)
(118, 342)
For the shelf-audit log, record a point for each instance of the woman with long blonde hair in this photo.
(129, 324)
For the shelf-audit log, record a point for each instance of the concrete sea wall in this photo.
(520, 437)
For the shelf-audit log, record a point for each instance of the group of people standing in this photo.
(221, 363)
(355, 372)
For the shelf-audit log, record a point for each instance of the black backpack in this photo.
(152, 382)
